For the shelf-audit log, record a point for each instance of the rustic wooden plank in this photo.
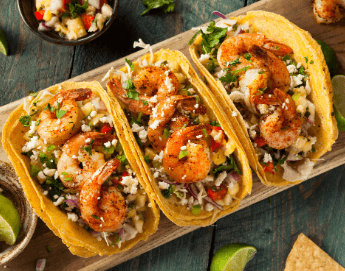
(167, 230)
(33, 63)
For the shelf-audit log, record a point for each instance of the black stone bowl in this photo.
(27, 12)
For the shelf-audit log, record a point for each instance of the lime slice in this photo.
(330, 57)
(3, 43)
(233, 257)
(338, 84)
(9, 221)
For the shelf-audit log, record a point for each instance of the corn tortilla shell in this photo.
(277, 28)
(177, 213)
(79, 241)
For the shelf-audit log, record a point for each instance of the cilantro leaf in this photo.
(182, 154)
(230, 164)
(147, 159)
(215, 123)
(215, 36)
(25, 120)
(132, 94)
(130, 63)
(34, 170)
(60, 113)
(167, 5)
(88, 148)
(77, 9)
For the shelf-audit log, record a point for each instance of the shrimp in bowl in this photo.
(195, 167)
(84, 180)
(271, 77)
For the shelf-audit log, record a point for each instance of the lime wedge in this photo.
(330, 57)
(338, 84)
(3, 43)
(232, 257)
(9, 221)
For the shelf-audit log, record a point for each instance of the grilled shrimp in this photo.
(280, 77)
(77, 150)
(103, 209)
(160, 81)
(143, 105)
(235, 47)
(57, 130)
(196, 165)
(328, 11)
(163, 113)
(281, 128)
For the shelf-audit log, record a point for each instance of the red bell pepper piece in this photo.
(217, 192)
(215, 144)
(106, 128)
(260, 141)
(39, 15)
(87, 20)
(269, 168)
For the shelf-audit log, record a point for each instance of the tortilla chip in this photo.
(279, 29)
(79, 241)
(176, 212)
(307, 256)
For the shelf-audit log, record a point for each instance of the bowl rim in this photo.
(13, 251)
(66, 42)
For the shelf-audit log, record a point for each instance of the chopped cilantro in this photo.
(65, 15)
(130, 63)
(109, 150)
(311, 62)
(215, 123)
(88, 148)
(247, 56)
(164, 63)
(51, 147)
(211, 65)
(34, 170)
(182, 154)
(77, 9)
(276, 47)
(33, 94)
(144, 102)
(167, 192)
(204, 132)
(295, 97)
(64, 173)
(230, 164)
(166, 133)
(94, 216)
(166, 5)
(38, 122)
(301, 70)
(117, 239)
(45, 159)
(196, 209)
(122, 158)
(60, 113)
(87, 114)
(147, 159)
(68, 179)
(128, 84)
(25, 120)
(132, 94)
(306, 59)
(262, 72)
(234, 62)
(286, 127)
(262, 90)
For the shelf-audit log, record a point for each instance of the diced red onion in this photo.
(219, 14)
(43, 27)
(211, 201)
(192, 190)
(235, 176)
(120, 233)
(309, 121)
(72, 202)
(41, 264)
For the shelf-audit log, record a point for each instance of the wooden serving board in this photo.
(300, 13)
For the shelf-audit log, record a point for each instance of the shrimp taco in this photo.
(273, 82)
(78, 171)
(197, 170)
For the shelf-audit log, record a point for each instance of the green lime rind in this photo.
(233, 257)
(9, 221)
(330, 57)
(338, 84)
(3, 43)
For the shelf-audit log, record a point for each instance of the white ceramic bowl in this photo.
(12, 189)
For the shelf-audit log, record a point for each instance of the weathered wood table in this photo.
(315, 207)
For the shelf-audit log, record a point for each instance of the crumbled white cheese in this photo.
(85, 128)
(45, 192)
(159, 157)
(93, 114)
(41, 177)
(267, 158)
(163, 185)
(168, 82)
(208, 207)
(107, 144)
(208, 178)
(307, 87)
(298, 65)
(143, 135)
(59, 201)
(49, 172)
(88, 140)
(294, 82)
(130, 184)
(263, 109)
(154, 99)
(221, 177)
(57, 153)
(72, 216)
(183, 148)
(137, 128)
(204, 59)
(32, 127)
(155, 124)
(302, 173)
(33, 143)
(292, 69)
(114, 142)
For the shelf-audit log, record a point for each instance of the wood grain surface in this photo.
(315, 207)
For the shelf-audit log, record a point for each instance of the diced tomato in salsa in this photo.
(217, 192)
(87, 20)
(260, 141)
(215, 145)
(105, 128)
(39, 15)
(269, 168)
(117, 182)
